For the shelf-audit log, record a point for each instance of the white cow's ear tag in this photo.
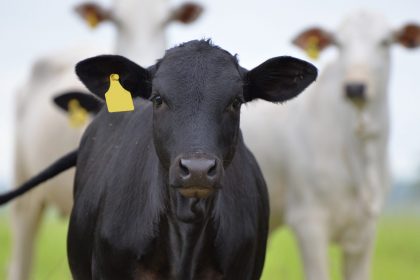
(92, 19)
(78, 116)
(118, 99)
(312, 47)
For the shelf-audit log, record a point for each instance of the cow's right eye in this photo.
(157, 100)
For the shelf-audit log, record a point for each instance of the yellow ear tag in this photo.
(78, 116)
(92, 19)
(312, 48)
(117, 98)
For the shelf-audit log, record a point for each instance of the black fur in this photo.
(87, 101)
(126, 219)
(280, 79)
(95, 72)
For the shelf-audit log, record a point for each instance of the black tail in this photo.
(57, 167)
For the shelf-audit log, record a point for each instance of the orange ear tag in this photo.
(117, 98)
(312, 48)
(78, 116)
(92, 19)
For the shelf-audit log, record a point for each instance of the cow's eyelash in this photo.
(158, 100)
(153, 96)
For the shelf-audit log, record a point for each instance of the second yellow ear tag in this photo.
(78, 116)
(312, 48)
(92, 19)
(118, 99)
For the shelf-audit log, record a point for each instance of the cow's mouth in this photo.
(196, 192)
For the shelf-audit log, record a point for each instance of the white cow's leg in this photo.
(25, 219)
(312, 239)
(357, 254)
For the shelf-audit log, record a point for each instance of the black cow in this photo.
(169, 190)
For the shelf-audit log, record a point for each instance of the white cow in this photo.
(42, 130)
(140, 25)
(325, 155)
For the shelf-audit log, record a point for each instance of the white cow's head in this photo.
(157, 12)
(95, 14)
(363, 40)
(140, 24)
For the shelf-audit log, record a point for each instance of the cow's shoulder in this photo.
(116, 201)
(243, 208)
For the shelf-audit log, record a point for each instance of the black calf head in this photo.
(197, 90)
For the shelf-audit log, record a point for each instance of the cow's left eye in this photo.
(157, 100)
(236, 103)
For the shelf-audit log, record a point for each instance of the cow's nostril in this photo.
(183, 168)
(212, 170)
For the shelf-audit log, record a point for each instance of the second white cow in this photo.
(325, 156)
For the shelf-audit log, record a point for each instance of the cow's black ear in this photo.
(87, 101)
(95, 74)
(279, 79)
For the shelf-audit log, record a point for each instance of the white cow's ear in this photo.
(313, 41)
(93, 14)
(185, 13)
(408, 36)
(279, 79)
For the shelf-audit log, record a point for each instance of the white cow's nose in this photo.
(355, 91)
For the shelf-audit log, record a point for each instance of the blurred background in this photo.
(256, 30)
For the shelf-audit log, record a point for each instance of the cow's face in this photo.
(363, 41)
(197, 93)
(197, 90)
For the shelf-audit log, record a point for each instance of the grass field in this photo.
(397, 255)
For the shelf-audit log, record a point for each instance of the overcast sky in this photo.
(256, 30)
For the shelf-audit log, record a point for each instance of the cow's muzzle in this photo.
(195, 175)
(356, 93)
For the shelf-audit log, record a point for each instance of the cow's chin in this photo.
(191, 207)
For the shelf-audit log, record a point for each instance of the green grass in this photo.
(51, 258)
(397, 254)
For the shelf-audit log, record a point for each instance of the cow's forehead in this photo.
(364, 26)
(196, 63)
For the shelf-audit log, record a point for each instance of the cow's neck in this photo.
(191, 240)
(366, 146)
(184, 238)
(371, 160)
(360, 136)
(140, 29)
